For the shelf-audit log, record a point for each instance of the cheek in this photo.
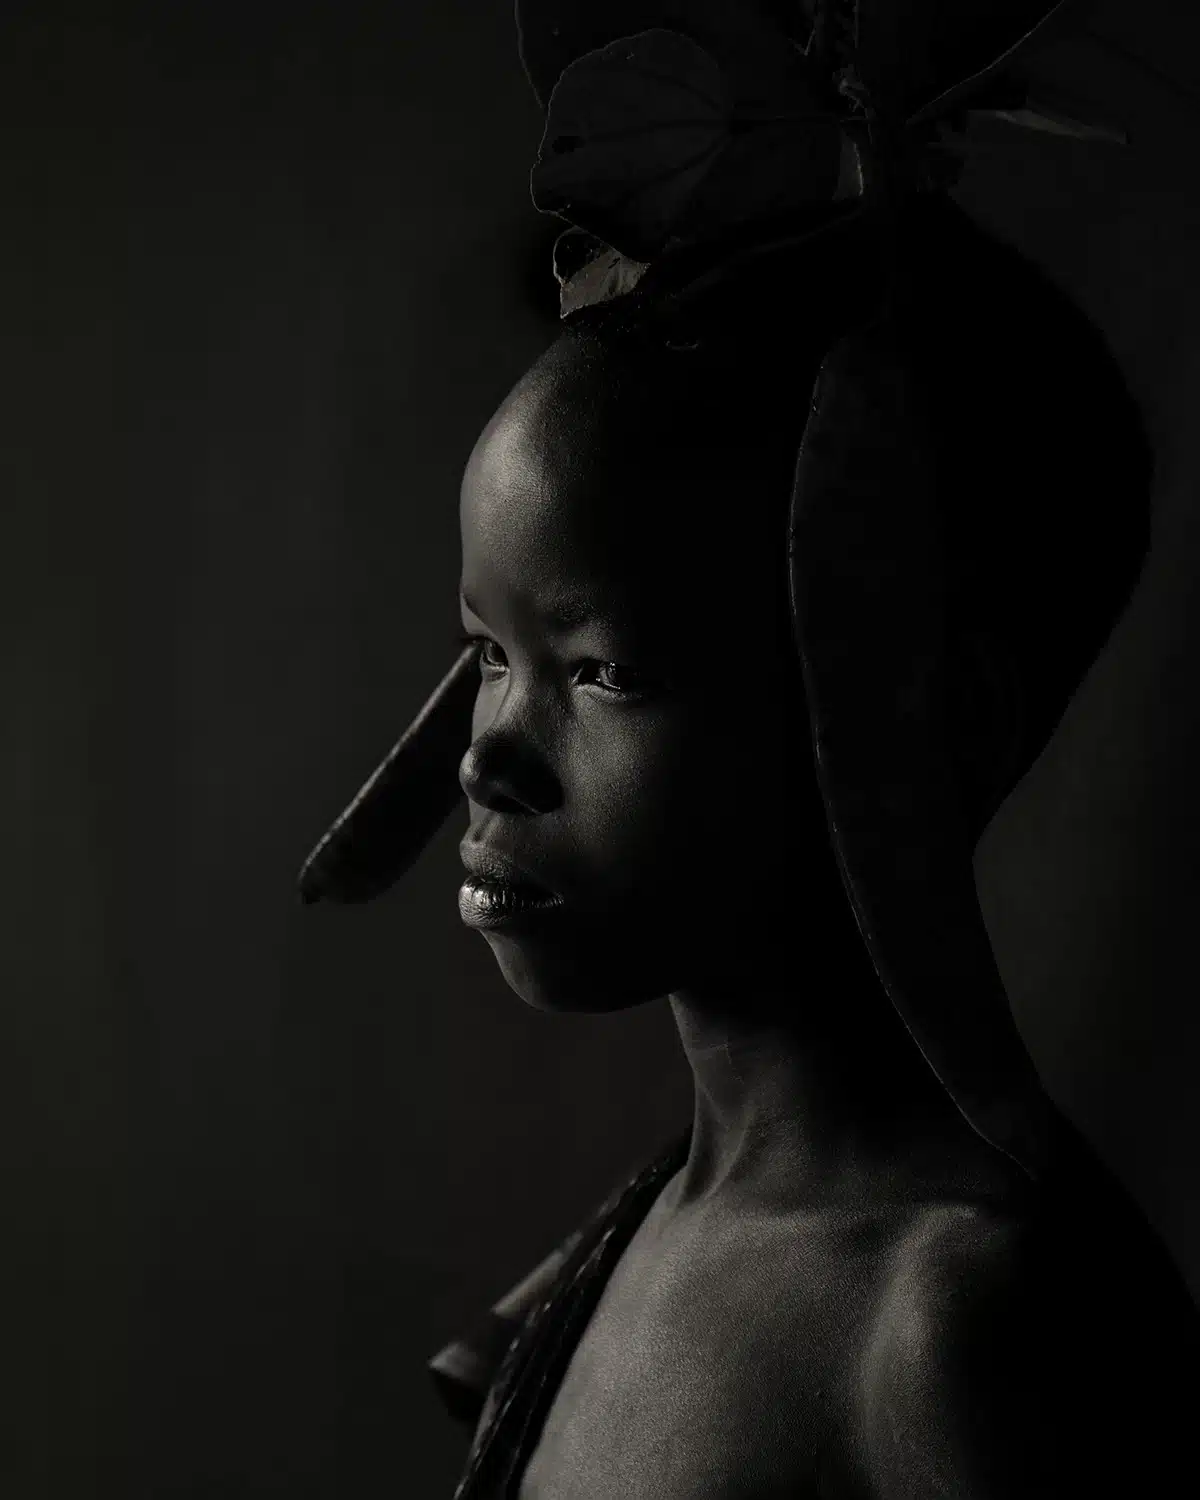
(668, 799)
(627, 785)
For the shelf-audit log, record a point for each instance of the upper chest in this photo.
(720, 1361)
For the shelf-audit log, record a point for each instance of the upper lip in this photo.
(488, 863)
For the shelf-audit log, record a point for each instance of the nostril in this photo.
(502, 801)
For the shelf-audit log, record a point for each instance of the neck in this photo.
(803, 1091)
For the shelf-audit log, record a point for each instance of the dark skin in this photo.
(839, 1292)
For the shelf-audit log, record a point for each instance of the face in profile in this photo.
(639, 742)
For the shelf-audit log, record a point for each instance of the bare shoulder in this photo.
(1011, 1354)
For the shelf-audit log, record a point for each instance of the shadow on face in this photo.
(639, 743)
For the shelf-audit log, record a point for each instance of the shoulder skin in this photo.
(1013, 1358)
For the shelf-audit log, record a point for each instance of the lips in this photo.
(500, 893)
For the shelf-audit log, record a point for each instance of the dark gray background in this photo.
(264, 273)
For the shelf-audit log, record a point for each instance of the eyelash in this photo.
(482, 641)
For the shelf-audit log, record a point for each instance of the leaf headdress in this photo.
(714, 125)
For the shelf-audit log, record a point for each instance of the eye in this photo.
(487, 661)
(614, 680)
(620, 682)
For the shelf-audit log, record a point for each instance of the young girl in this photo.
(779, 568)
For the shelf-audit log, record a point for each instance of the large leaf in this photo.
(631, 129)
(554, 33)
(765, 174)
(651, 140)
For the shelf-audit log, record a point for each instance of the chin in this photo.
(571, 983)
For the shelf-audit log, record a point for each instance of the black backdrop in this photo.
(264, 273)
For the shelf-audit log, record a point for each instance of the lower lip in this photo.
(492, 904)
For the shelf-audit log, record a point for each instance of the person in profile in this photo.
(780, 567)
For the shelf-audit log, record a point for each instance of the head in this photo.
(640, 739)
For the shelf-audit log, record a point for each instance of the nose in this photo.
(504, 776)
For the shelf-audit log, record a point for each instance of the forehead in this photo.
(591, 488)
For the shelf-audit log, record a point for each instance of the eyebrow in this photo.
(563, 611)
